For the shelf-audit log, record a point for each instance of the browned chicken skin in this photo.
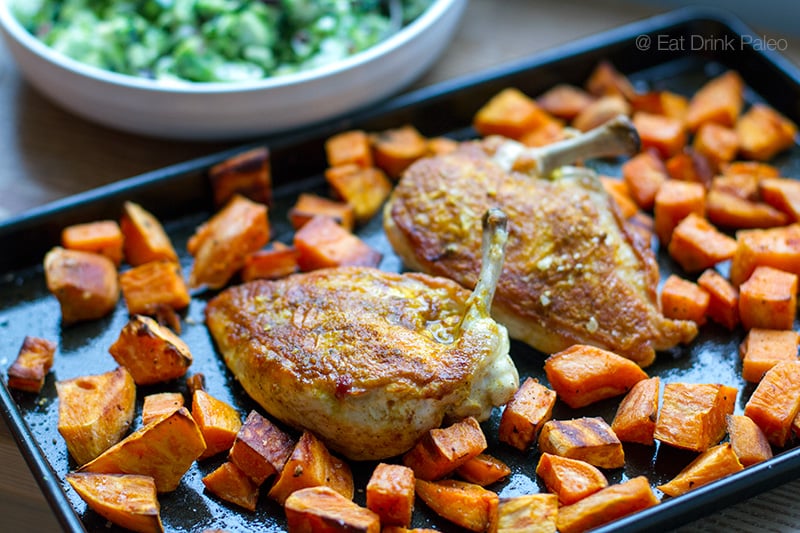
(573, 272)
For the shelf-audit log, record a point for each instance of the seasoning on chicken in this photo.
(368, 360)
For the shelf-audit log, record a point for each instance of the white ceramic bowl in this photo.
(217, 111)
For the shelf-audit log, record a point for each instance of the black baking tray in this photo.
(180, 196)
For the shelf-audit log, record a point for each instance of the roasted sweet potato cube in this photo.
(606, 505)
(322, 243)
(164, 450)
(743, 186)
(483, 469)
(84, 283)
(441, 145)
(723, 299)
(695, 244)
(764, 348)
(531, 513)
(218, 422)
(229, 483)
(150, 352)
(390, 494)
(102, 237)
(587, 439)
(583, 374)
(153, 286)
(261, 449)
(775, 247)
(663, 134)
(570, 479)
(312, 465)
(692, 415)
(464, 504)
(782, 194)
(635, 420)
(363, 189)
(665, 103)
(247, 174)
(128, 501)
(757, 169)
(33, 362)
(690, 166)
(601, 111)
(618, 190)
(763, 132)
(774, 404)
(95, 412)
(718, 143)
(159, 404)
(395, 149)
(349, 148)
(547, 132)
(683, 300)
(324, 509)
(221, 245)
(711, 465)
(747, 440)
(768, 299)
(531, 406)
(674, 201)
(144, 237)
(644, 173)
(605, 80)
(509, 113)
(309, 205)
(564, 101)
(730, 211)
(720, 101)
(275, 263)
(442, 450)
(196, 382)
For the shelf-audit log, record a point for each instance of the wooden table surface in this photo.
(46, 154)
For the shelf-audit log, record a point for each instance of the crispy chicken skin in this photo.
(573, 272)
(367, 360)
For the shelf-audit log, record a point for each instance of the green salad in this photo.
(213, 40)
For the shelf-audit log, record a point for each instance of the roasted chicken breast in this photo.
(368, 360)
(574, 272)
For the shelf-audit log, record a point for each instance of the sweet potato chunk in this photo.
(586, 439)
(776, 247)
(782, 194)
(247, 174)
(349, 148)
(714, 463)
(582, 374)
(606, 505)
(483, 469)
(149, 288)
(730, 211)
(747, 440)
(164, 450)
(323, 243)
(532, 513)
(697, 245)
(324, 509)
(261, 449)
(665, 103)
(692, 415)
(464, 504)
(775, 403)
(763, 132)
(220, 245)
(618, 190)
(718, 143)
(363, 189)
(162, 403)
(144, 237)
(441, 451)
(723, 299)
(674, 201)
(683, 300)
(229, 483)
(395, 149)
(33, 362)
(84, 283)
(605, 80)
(150, 352)
(390, 494)
(218, 422)
(129, 501)
(309, 205)
(101, 237)
(442, 146)
(644, 173)
(547, 132)
(275, 263)
(764, 348)
(530, 407)
(95, 412)
(601, 111)
(690, 166)
(635, 420)
(744, 186)
(509, 113)
(720, 101)
(570, 479)
(564, 101)
(768, 299)
(663, 134)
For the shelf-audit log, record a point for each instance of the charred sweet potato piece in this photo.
(635, 420)
(644, 173)
(129, 501)
(587, 439)
(164, 450)
(674, 201)
(720, 101)
(442, 450)
(606, 505)
(33, 362)
(663, 134)
(570, 479)
(763, 132)
(247, 174)
(692, 415)
(605, 80)
(349, 148)
(742, 186)
(95, 412)
(261, 449)
(229, 483)
(775, 247)
(696, 244)
(218, 422)
(152, 287)
(717, 143)
(529, 408)
(395, 149)
(275, 263)
(683, 300)
(582, 374)
(618, 190)
(531, 513)
(774, 404)
(309, 205)
(464, 504)
(782, 194)
(150, 352)
(102, 237)
(690, 166)
(390, 494)
(730, 211)
(159, 404)
(324, 509)
(509, 113)
(363, 189)
(601, 111)
(768, 299)
(747, 440)
(144, 237)
(564, 101)
(764, 348)
(711, 465)
(220, 245)
(84, 283)
(323, 243)
(312, 465)
(483, 469)
(723, 298)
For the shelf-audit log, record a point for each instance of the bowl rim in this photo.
(424, 21)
